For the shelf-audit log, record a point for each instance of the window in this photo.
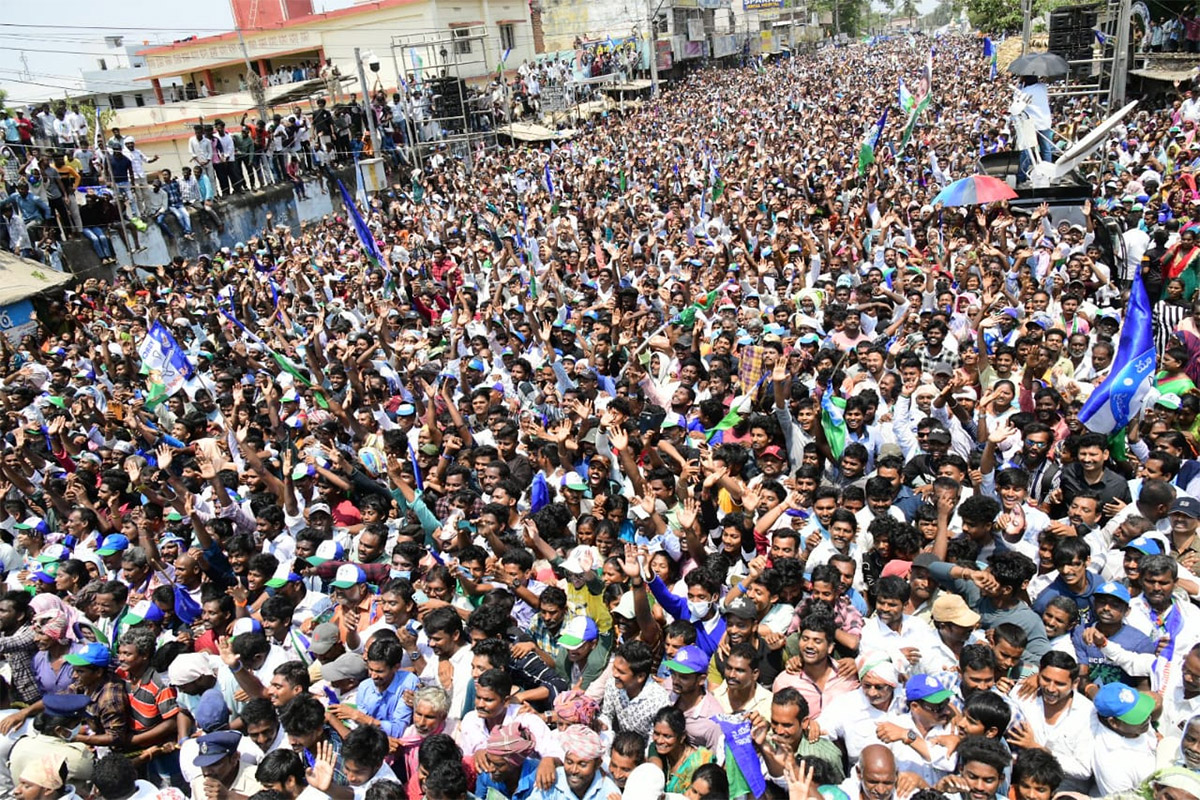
(140, 100)
(462, 41)
(116, 101)
(508, 38)
(679, 21)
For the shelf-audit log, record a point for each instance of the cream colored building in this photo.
(216, 66)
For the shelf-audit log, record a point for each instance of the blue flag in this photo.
(1123, 393)
(187, 609)
(412, 458)
(549, 180)
(365, 237)
(988, 47)
(539, 493)
(161, 353)
(742, 764)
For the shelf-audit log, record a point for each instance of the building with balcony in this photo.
(282, 45)
(121, 79)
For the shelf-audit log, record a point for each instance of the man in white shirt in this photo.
(1124, 745)
(912, 734)
(852, 717)
(1058, 719)
(450, 666)
(892, 631)
(200, 150)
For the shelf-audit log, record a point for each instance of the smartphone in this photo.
(419, 597)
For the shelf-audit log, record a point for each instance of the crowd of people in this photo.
(694, 457)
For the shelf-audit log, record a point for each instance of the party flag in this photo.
(162, 354)
(866, 154)
(412, 459)
(833, 421)
(718, 185)
(1121, 396)
(742, 764)
(906, 98)
(549, 180)
(365, 237)
(739, 407)
(687, 317)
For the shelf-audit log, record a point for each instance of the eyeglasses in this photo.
(1032, 443)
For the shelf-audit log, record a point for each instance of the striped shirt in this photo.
(151, 700)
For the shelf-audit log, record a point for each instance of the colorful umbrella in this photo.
(974, 191)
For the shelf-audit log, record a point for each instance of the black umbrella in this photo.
(1040, 65)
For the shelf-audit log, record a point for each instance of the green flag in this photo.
(291, 369)
(718, 188)
(832, 422)
(621, 182)
(912, 120)
(687, 317)
(735, 414)
(157, 395)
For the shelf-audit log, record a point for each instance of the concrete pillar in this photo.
(208, 81)
(158, 92)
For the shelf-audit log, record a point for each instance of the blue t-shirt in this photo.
(1102, 671)
(1083, 599)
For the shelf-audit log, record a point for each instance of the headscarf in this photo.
(575, 707)
(1181, 756)
(51, 623)
(583, 742)
(1181, 778)
(45, 603)
(509, 743)
(878, 664)
(45, 772)
(646, 780)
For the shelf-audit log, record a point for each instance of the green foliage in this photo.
(995, 16)
(850, 16)
(1004, 16)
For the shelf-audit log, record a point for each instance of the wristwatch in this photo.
(910, 737)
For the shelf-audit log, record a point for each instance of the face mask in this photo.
(400, 573)
(70, 737)
(699, 608)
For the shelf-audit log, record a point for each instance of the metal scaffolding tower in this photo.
(1105, 74)
(449, 113)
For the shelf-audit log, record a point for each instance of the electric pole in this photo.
(362, 81)
(652, 39)
(253, 80)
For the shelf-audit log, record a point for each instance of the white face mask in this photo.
(70, 737)
(699, 608)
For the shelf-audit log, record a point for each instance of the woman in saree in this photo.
(669, 749)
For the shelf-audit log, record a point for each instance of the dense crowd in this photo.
(690, 457)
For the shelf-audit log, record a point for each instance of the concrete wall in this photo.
(242, 217)
(564, 20)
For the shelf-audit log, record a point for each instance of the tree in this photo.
(1004, 16)
(995, 16)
